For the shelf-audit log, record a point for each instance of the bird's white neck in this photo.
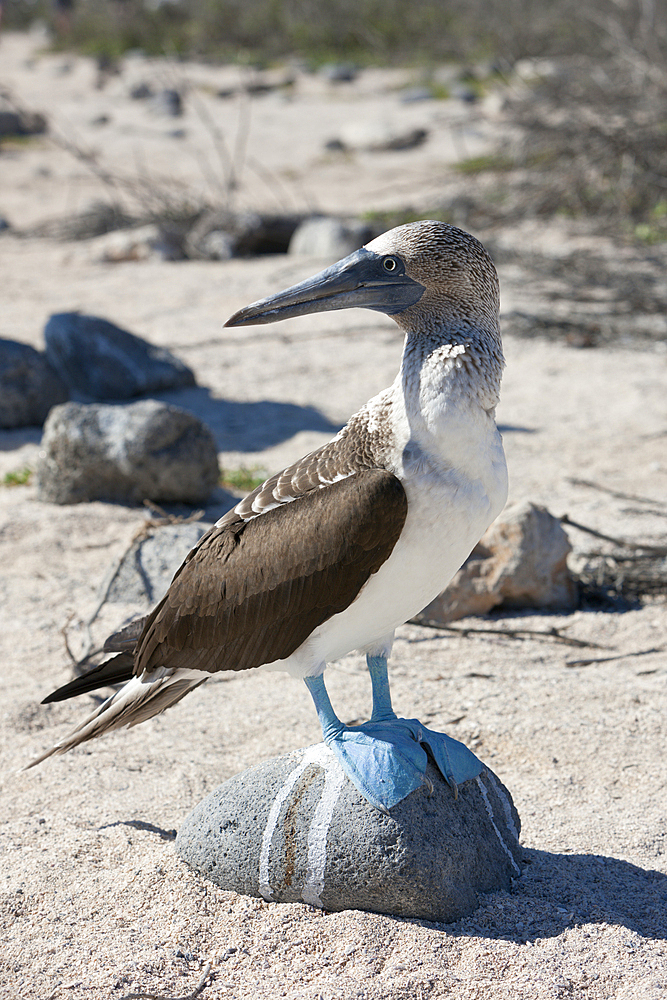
(443, 404)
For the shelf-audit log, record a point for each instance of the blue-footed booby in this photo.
(336, 551)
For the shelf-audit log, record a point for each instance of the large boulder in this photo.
(521, 562)
(295, 829)
(140, 451)
(98, 360)
(29, 386)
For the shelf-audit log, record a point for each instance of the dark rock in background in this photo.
(99, 360)
(295, 829)
(141, 451)
(19, 122)
(141, 91)
(340, 72)
(148, 567)
(29, 386)
(167, 102)
(242, 234)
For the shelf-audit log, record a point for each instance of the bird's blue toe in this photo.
(386, 761)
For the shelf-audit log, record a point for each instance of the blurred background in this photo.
(582, 85)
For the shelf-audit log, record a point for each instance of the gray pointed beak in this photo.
(365, 279)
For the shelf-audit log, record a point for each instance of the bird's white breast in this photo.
(451, 502)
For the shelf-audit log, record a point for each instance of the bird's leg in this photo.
(381, 760)
(382, 709)
(329, 721)
(385, 758)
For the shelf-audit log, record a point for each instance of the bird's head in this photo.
(421, 274)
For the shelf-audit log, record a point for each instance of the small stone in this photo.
(148, 567)
(381, 136)
(99, 360)
(218, 245)
(126, 454)
(167, 102)
(141, 91)
(125, 245)
(22, 123)
(521, 562)
(340, 72)
(29, 386)
(295, 829)
(330, 238)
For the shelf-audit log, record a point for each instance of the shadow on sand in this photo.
(236, 426)
(561, 891)
(251, 426)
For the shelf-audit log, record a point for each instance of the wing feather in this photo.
(252, 591)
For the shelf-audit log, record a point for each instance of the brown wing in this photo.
(253, 591)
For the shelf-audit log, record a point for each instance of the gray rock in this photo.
(141, 91)
(295, 829)
(148, 567)
(218, 245)
(21, 123)
(29, 386)
(144, 450)
(521, 562)
(330, 238)
(167, 102)
(99, 360)
(340, 72)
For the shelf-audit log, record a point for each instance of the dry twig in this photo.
(190, 996)
(520, 634)
(656, 550)
(618, 656)
(614, 493)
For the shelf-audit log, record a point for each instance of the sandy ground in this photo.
(94, 901)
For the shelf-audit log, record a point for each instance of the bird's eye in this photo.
(390, 263)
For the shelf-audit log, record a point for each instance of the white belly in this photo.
(446, 518)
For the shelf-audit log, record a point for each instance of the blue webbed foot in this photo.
(383, 761)
(386, 758)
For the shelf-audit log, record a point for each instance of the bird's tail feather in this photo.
(138, 700)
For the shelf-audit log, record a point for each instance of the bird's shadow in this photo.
(561, 891)
(248, 426)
